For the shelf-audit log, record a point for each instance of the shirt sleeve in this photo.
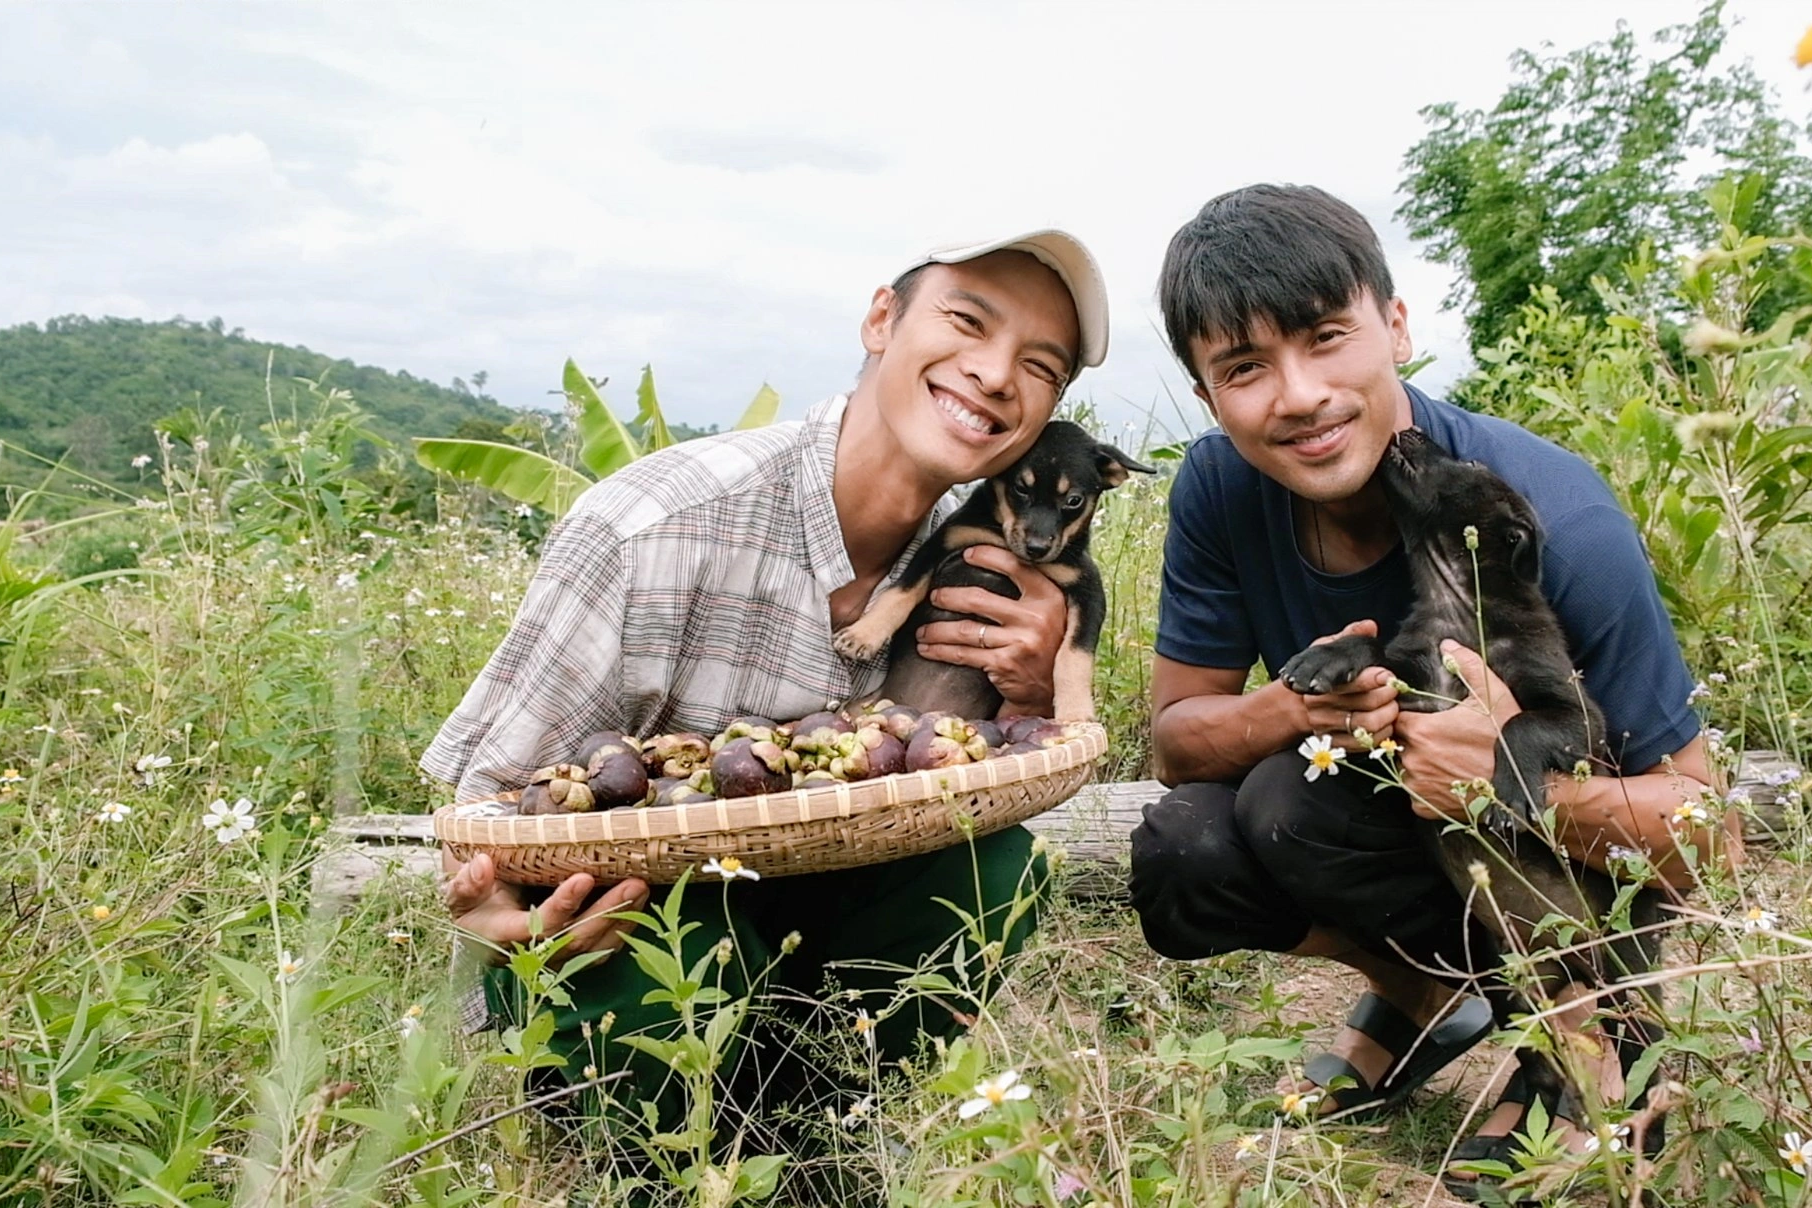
(1623, 640)
(552, 680)
(1202, 618)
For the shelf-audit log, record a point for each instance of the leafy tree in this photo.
(1595, 159)
(87, 392)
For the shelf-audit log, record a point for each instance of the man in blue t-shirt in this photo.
(1280, 304)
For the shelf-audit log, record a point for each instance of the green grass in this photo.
(291, 642)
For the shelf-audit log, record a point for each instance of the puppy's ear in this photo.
(1525, 554)
(1115, 465)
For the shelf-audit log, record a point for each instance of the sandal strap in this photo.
(1387, 1026)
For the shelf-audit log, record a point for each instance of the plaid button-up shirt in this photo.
(686, 589)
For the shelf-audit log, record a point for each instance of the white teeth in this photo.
(1319, 436)
(964, 416)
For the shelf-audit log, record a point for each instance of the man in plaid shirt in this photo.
(704, 582)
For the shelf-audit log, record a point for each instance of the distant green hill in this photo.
(91, 388)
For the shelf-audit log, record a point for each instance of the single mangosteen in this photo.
(597, 740)
(676, 754)
(744, 767)
(559, 789)
(617, 778)
(929, 749)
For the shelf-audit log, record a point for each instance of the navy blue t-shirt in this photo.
(1236, 589)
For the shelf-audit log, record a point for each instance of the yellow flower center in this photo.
(1796, 1159)
(101, 914)
(1323, 760)
(730, 864)
(863, 1024)
(995, 1095)
(414, 1011)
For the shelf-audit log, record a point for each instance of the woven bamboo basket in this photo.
(818, 829)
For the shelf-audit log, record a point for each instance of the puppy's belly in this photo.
(926, 684)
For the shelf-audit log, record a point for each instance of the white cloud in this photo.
(716, 189)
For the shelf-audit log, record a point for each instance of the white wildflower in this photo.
(114, 811)
(859, 1111)
(1618, 1136)
(1322, 754)
(992, 1093)
(1690, 813)
(730, 868)
(229, 822)
(149, 765)
(1756, 919)
(288, 966)
(141, 461)
(1298, 1103)
(1796, 1153)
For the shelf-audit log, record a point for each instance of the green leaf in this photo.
(762, 410)
(605, 445)
(520, 474)
(648, 414)
(758, 1176)
(344, 991)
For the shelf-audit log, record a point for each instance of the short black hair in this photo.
(1284, 254)
(904, 287)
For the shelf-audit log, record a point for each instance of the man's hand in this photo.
(1366, 703)
(1458, 744)
(495, 912)
(1015, 643)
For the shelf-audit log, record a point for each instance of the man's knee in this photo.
(1195, 885)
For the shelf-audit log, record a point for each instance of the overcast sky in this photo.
(445, 187)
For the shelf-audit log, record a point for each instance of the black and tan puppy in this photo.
(1039, 508)
(1437, 501)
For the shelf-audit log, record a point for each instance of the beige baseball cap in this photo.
(1064, 255)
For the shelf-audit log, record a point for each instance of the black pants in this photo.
(1255, 863)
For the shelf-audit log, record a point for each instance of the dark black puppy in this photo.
(1443, 507)
(1040, 508)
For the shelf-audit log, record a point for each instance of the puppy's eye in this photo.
(1072, 502)
(1021, 490)
(1515, 536)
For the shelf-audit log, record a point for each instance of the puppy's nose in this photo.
(1037, 547)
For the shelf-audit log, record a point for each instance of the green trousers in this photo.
(886, 921)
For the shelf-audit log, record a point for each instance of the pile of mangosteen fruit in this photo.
(754, 755)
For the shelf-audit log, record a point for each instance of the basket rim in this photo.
(465, 823)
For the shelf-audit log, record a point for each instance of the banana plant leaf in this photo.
(605, 444)
(762, 410)
(648, 414)
(522, 474)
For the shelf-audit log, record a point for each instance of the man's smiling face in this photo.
(969, 372)
(1313, 410)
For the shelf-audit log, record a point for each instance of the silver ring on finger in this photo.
(981, 635)
(1349, 722)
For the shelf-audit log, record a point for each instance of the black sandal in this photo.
(1417, 1053)
(1560, 1105)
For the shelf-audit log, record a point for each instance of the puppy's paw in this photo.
(1513, 811)
(1073, 708)
(859, 642)
(1328, 666)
